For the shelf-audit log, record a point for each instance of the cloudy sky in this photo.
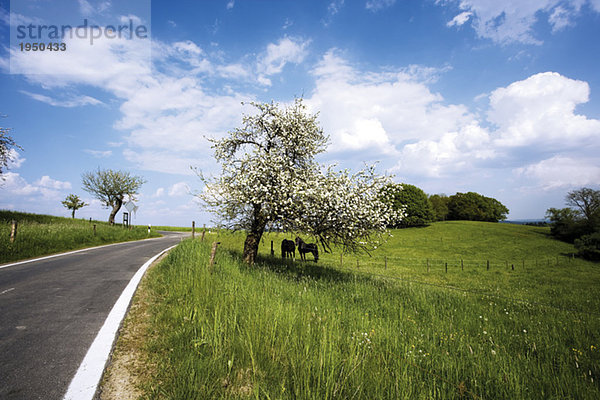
(497, 97)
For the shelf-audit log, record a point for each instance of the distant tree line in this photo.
(421, 209)
(579, 223)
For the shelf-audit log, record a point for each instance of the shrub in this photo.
(588, 246)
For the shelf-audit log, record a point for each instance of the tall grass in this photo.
(283, 330)
(39, 235)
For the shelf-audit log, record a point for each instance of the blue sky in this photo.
(500, 98)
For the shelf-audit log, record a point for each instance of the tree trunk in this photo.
(115, 210)
(73, 214)
(254, 235)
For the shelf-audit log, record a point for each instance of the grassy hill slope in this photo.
(303, 331)
(39, 235)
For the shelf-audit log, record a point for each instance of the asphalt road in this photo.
(51, 311)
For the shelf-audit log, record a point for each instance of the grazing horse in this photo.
(304, 248)
(288, 249)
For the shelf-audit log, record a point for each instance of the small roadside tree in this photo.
(270, 179)
(111, 187)
(74, 203)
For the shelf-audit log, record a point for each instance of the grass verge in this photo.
(39, 235)
(303, 331)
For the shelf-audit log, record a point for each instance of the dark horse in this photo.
(288, 249)
(304, 248)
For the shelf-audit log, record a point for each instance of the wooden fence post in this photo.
(488, 265)
(203, 233)
(446, 267)
(193, 229)
(94, 229)
(213, 252)
(272, 251)
(462, 267)
(13, 231)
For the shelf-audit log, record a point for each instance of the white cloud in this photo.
(377, 5)
(188, 47)
(86, 8)
(394, 115)
(179, 189)
(560, 19)
(117, 65)
(159, 192)
(563, 172)
(230, 4)
(47, 182)
(362, 110)
(76, 101)
(460, 19)
(99, 153)
(540, 112)
(44, 188)
(452, 153)
(125, 19)
(14, 159)
(287, 50)
(335, 6)
(509, 21)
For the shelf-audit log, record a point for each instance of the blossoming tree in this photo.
(270, 180)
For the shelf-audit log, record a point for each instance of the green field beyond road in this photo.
(335, 329)
(40, 235)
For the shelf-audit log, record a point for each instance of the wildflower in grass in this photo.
(493, 352)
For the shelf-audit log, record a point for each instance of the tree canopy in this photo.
(472, 206)
(439, 203)
(580, 223)
(73, 202)
(413, 202)
(111, 187)
(270, 180)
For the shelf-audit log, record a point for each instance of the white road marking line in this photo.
(86, 380)
(7, 290)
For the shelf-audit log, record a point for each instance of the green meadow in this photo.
(39, 235)
(385, 328)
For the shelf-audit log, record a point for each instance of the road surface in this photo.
(52, 309)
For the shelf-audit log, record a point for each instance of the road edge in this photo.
(85, 383)
(66, 253)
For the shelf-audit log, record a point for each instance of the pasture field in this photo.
(39, 235)
(300, 330)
